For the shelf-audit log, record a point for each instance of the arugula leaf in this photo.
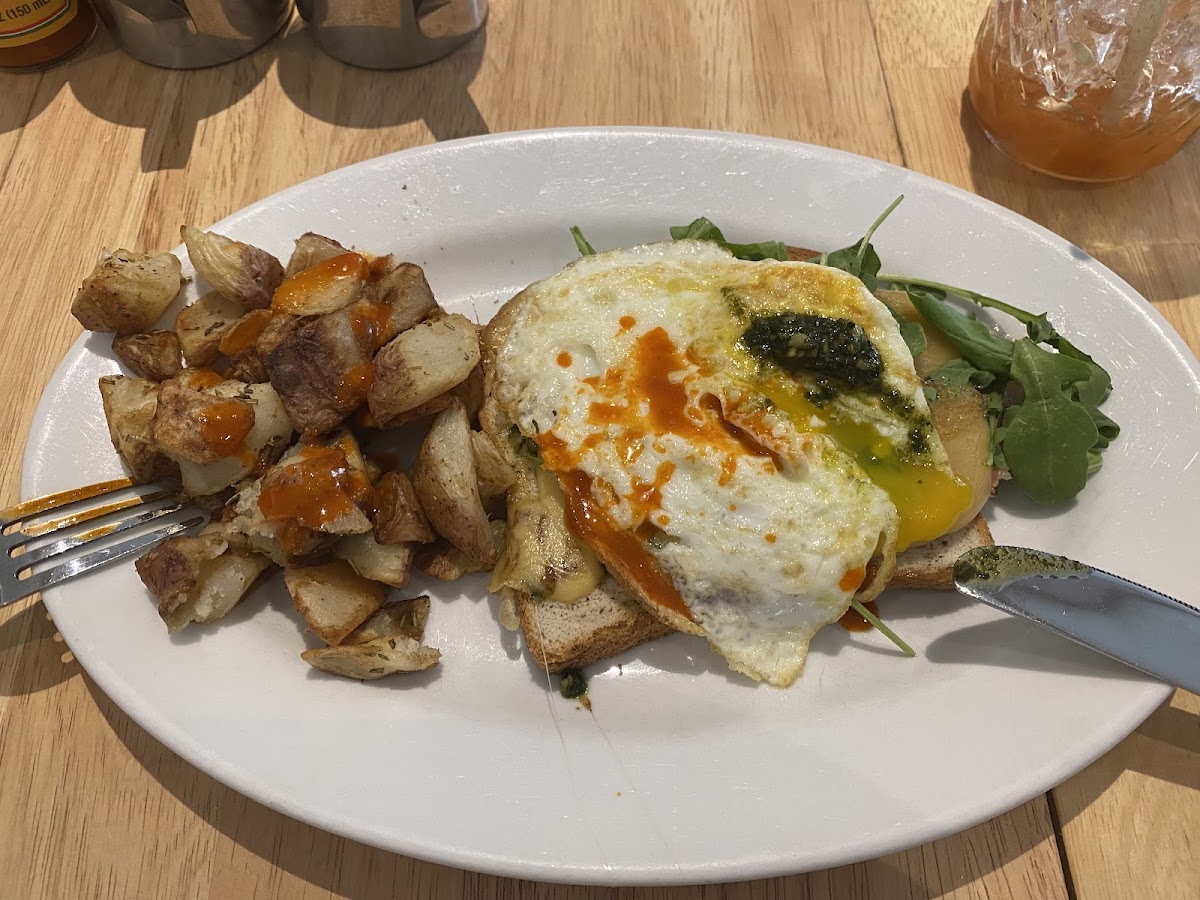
(958, 374)
(1095, 461)
(860, 259)
(1048, 437)
(912, 332)
(993, 410)
(1038, 327)
(864, 268)
(760, 250)
(702, 229)
(914, 337)
(978, 344)
(1105, 427)
(585, 249)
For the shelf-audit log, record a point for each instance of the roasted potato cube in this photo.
(343, 439)
(129, 406)
(269, 538)
(127, 292)
(241, 273)
(446, 484)
(240, 344)
(386, 563)
(326, 287)
(321, 488)
(470, 392)
(242, 336)
(199, 579)
(421, 363)
(323, 370)
(201, 325)
(445, 562)
(398, 515)
(311, 249)
(333, 598)
(198, 426)
(276, 332)
(374, 659)
(494, 474)
(263, 444)
(416, 414)
(408, 294)
(155, 355)
(401, 618)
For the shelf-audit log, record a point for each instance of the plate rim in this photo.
(873, 846)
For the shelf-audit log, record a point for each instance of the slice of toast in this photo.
(608, 621)
(931, 566)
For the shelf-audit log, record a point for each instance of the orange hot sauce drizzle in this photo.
(244, 332)
(224, 425)
(589, 521)
(199, 379)
(317, 489)
(370, 323)
(640, 401)
(355, 385)
(290, 296)
(852, 621)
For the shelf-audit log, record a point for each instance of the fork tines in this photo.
(118, 506)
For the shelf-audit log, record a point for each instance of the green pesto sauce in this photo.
(1003, 563)
(572, 684)
(837, 349)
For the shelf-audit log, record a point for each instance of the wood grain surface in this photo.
(106, 152)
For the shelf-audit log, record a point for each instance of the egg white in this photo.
(759, 554)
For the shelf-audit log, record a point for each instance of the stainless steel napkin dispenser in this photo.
(190, 34)
(391, 34)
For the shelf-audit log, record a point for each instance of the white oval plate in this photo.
(684, 773)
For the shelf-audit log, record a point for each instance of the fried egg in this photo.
(746, 444)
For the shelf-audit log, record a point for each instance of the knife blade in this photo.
(1151, 632)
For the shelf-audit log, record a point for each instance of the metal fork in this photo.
(22, 526)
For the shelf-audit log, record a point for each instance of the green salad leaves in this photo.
(1043, 394)
(703, 230)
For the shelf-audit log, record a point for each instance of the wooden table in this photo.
(107, 152)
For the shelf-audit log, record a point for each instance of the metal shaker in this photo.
(391, 34)
(191, 34)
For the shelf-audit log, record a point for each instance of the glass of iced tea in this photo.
(1091, 90)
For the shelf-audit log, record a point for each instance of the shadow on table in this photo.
(33, 656)
(169, 105)
(1147, 208)
(341, 94)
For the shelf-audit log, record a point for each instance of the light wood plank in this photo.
(1130, 819)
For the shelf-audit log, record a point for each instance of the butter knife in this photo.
(1149, 631)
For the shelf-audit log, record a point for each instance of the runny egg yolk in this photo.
(928, 498)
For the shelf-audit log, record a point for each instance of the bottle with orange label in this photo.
(35, 34)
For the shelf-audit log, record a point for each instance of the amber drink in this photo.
(1091, 90)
